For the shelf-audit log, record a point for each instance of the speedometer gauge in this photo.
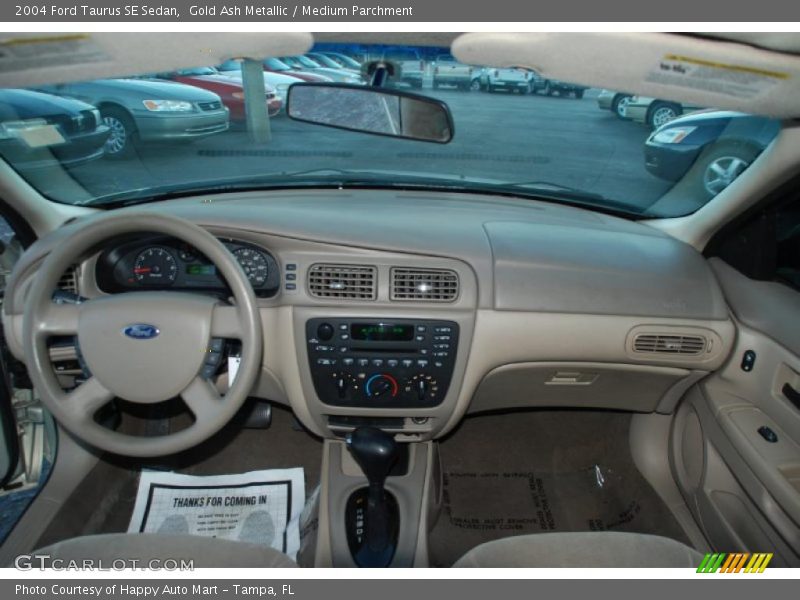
(254, 265)
(155, 266)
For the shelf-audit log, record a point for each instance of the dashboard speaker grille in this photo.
(669, 344)
(353, 282)
(430, 285)
(69, 280)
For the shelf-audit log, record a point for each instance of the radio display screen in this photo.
(381, 332)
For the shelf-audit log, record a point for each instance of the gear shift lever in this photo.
(375, 451)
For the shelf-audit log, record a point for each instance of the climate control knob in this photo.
(381, 384)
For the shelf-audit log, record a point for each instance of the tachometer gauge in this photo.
(254, 265)
(155, 266)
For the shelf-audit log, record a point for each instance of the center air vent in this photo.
(431, 285)
(69, 280)
(669, 344)
(354, 282)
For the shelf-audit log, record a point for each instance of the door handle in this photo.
(792, 395)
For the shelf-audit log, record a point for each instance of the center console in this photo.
(386, 363)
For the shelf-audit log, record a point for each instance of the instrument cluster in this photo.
(161, 263)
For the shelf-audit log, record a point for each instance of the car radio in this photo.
(392, 363)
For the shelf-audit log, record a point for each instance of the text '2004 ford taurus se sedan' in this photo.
(149, 110)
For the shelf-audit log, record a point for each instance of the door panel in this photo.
(747, 493)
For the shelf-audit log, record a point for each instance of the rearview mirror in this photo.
(378, 111)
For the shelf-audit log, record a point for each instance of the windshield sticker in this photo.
(22, 53)
(731, 80)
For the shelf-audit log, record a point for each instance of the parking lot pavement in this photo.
(507, 137)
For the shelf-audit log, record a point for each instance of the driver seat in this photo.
(146, 547)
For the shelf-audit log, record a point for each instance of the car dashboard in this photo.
(376, 312)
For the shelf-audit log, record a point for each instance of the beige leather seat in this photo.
(591, 549)
(205, 552)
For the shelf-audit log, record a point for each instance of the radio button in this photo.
(391, 362)
(408, 362)
(422, 363)
(363, 362)
(421, 328)
(420, 338)
(348, 362)
(377, 362)
(326, 362)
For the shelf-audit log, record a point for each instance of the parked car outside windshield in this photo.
(506, 144)
(40, 130)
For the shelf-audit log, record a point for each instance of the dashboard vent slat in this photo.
(69, 280)
(670, 344)
(428, 285)
(351, 282)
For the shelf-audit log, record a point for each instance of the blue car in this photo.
(40, 131)
(718, 144)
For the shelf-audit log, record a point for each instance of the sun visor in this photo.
(28, 59)
(696, 71)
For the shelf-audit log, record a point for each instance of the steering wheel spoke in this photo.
(226, 322)
(87, 398)
(202, 399)
(60, 319)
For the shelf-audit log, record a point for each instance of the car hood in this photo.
(334, 72)
(215, 79)
(145, 89)
(711, 114)
(269, 83)
(26, 104)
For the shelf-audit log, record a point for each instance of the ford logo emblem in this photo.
(141, 331)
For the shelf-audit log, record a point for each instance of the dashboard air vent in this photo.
(430, 285)
(669, 344)
(69, 280)
(352, 282)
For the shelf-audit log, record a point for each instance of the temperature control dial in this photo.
(381, 385)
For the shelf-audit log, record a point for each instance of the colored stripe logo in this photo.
(737, 562)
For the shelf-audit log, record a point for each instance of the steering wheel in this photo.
(144, 347)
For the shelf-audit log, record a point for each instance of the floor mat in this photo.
(103, 502)
(542, 471)
(258, 507)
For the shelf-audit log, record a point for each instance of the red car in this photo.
(229, 89)
(274, 65)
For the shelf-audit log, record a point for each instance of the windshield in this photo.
(199, 71)
(325, 61)
(122, 141)
(301, 61)
(274, 64)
